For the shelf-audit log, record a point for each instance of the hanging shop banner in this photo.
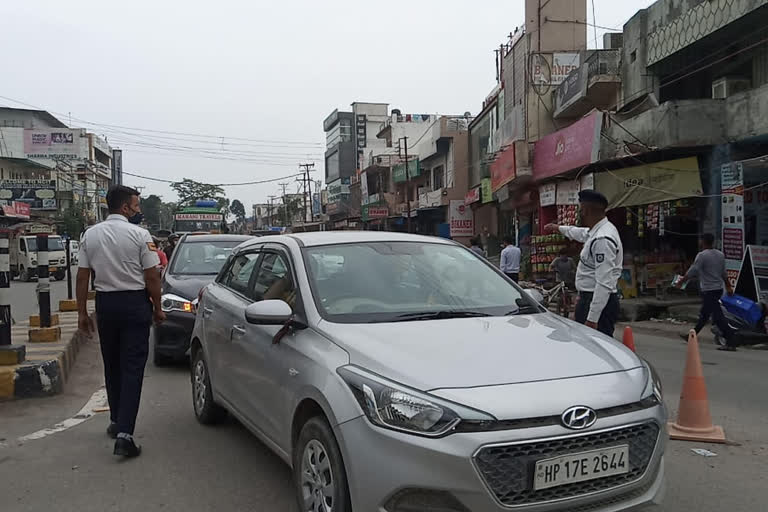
(399, 175)
(38, 194)
(462, 219)
(15, 209)
(503, 169)
(753, 277)
(52, 143)
(317, 207)
(548, 194)
(651, 183)
(486, 191)
(364, 187)
(472, 196)
(732, 212)
(568, 192)
(572, 147)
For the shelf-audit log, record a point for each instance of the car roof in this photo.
(215, 238)
(318, 238)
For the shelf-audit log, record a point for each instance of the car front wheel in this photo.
(318, 469)
(207, 411)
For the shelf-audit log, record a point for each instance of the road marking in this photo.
(97, 401)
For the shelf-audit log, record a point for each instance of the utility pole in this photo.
(407, 184)
(307, 190)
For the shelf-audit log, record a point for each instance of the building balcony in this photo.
(596, 84)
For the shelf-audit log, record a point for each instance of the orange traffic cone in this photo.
(629, 339)
(694, 422)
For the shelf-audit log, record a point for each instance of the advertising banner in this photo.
(38, 194)
(370, 211)
(472, 196)
(486, 192)
(364, 187)
(572, 147)
(651, 183)
(461, 218)
(568, 192)
(316, 204)
(753, 278)
(732, 186)
(548, 194)
(52, 143)
(572, 88)
(562, 65)
(398, 171)
(503, 169)
(15, 209)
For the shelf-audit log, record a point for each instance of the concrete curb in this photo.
(47, 365)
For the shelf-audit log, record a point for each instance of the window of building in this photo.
(345, 130)
(438, 177)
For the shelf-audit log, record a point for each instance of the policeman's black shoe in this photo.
(112, 430)
(126, 448)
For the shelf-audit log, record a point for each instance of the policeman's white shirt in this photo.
(600, 263)
(118, 252)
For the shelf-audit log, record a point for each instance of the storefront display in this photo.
(544, 249)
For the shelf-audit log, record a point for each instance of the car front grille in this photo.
(508, 470)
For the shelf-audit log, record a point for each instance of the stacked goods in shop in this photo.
(568, 214)
(544, 249)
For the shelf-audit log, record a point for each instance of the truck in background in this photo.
(204, 217)
(23, 251)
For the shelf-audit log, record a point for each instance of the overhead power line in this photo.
(258, 182)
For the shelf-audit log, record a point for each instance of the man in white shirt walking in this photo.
(600, 263)
(510, 259)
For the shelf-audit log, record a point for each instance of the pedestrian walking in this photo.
(124, 259)
(474, 246)
(510, 259)
(709, 269)
(600, 263)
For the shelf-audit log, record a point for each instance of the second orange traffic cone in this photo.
(694, 423)
(629, 339)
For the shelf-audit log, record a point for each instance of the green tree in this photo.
(190, 191)
(291, 209)
(71, 221)
(150, 207)
(238, 210)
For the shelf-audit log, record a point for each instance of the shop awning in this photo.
(651, 183)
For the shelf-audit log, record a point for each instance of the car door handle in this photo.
(207, 312)
(238, 331)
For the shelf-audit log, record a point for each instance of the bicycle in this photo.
(558, 296)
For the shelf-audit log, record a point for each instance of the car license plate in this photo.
(579, 467)
(52, 269)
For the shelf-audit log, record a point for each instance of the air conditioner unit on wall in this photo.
(728, 86)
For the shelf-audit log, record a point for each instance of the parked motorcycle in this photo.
(744, 333)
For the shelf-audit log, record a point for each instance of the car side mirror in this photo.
(269, 312)
(535, 295)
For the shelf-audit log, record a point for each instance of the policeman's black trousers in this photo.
(124, 319)
(608, 317)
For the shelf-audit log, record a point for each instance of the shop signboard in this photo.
(316, 205)
(15, 209)
(503, 169)
(753, 277)
(337, 189)
(732, 212)
(572, 88)
(568, 192)
(461, 218)
(374, 212)
(52, 143)
(472, 196)
(398, 171)
(572, 147)
(38, 194)
(548, 194)
(651, 183)
(562, 65)
(364, 187)
(431, 199)
(486, 191)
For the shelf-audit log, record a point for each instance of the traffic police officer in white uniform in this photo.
(123, 259)
(600, 263)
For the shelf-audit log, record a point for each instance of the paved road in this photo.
(191, 468)
(25, 296)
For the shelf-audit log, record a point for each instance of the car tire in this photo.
(207, 411)
(60, 275)
(319, 468)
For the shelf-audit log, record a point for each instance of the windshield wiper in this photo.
(438, 315)
(526, 309)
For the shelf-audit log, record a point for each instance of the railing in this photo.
(603, 62)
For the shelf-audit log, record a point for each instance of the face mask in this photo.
(136, 218)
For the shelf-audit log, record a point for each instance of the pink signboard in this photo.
(572, 147)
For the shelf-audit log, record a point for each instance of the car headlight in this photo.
(170, 302)
(653, 384)
(397, 407)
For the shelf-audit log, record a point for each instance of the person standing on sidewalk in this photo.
(600, 263)
(474, 246)
(510, 259)
(124, 259)
(709, 268)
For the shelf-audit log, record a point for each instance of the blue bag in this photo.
(748, 310)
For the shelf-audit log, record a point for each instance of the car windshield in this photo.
(400, 281)
(54, 244)
(201, 258)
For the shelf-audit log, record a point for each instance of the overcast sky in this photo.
(268, 72)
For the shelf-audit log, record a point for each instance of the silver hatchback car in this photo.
(400, 373)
